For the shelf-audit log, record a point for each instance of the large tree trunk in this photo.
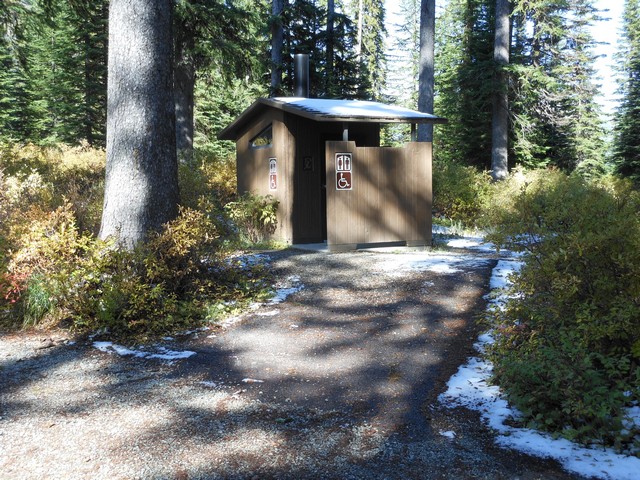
(426, 66)
(184, 86)
(277, 41)
(329, 74)
(500, 123)
(141, 191)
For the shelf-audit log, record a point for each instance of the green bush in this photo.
(568, 341)
(208, 181)
(254, 215)
(60, 276)
(459, 192)
(53, 270)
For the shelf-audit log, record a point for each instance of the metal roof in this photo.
(330, 110)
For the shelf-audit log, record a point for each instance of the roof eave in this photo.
(231, 132)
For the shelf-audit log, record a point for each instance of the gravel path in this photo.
(340, 381)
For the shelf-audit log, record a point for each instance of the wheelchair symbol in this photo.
(343, 180)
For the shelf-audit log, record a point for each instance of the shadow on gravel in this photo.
(340, 381)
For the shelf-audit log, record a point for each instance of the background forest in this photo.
(568, 342)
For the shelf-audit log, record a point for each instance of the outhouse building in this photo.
(322, 160)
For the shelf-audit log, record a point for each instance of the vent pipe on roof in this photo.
(301, 75)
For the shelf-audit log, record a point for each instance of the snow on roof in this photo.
(355, 109)
(330, 110)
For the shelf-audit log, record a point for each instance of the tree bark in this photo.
(500, 122)
(330, 47)
(426, 66)
(141, 191)
(184, 76)
(277, 41)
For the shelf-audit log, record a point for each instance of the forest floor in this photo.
(339, 381)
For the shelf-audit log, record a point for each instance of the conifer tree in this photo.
(556, 118)
(426, 66)
(67, 68)
(370, 15)
(14, 97)
(464, 79)
(500, 116)
(627, 126)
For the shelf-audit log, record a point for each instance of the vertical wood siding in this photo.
(390, 200)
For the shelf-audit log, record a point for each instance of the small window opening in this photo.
(263, 139)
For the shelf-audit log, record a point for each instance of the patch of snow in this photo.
(291, 285)
(438, 263)
(353, 108)
(449, 434)
(470, 388)
(251, 380)
(209, 384)
(268, 313)
(472, 243)
(440, 230)
(160, 353)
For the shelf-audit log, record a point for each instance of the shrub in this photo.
(254, 215)
(567, 342)
(36, 180)
(53, 271)
(207, 177)
(48, 253)
(459, 192)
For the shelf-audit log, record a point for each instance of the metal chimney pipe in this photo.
(301, 75)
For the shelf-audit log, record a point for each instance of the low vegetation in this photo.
(567, 345)
(55, 272)
(567, 350)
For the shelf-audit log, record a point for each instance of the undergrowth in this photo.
(567, 348)
(55, 272)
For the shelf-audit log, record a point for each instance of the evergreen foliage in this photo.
(305, 31)
(67, 71)
(369, 16)
(464, 59)
(556, 119)
(627, 130)
(14, 95)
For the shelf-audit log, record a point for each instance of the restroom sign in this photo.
(273, 174)
(344, 163)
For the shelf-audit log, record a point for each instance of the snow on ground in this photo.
(469, 388)
(291, 285)
(288, 287)
(426, 261)
(157, 352)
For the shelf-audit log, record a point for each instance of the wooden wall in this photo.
(390, 199)
(253, 167)
(391, 196)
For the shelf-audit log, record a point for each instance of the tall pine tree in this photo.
(464, 52)
(627, 126)
(370, 48)
(66, 58)
(556, 118)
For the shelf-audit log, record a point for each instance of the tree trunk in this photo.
(141, 191)
(329, 75)
(277, 41)
(360, 27)
(500, 123)
(184, 84)
(426, 66)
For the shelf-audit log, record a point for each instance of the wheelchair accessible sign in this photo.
(344, 163)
